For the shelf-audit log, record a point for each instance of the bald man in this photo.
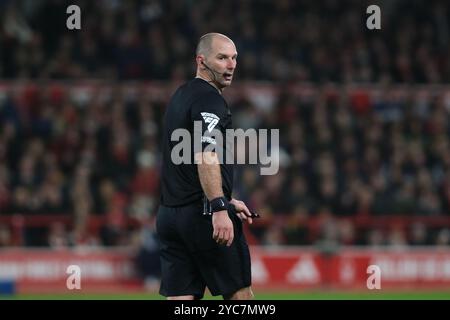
(199, 224)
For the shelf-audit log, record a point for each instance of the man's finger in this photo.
(215, 234)
(221, 236)
(226, 237)
(241, 207)
(242, 216)
(230, 241)
(247, 212)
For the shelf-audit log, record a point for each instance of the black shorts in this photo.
(191, 260)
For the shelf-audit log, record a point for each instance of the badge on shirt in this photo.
(210, 118)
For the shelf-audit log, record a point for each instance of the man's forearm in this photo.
(209, 174)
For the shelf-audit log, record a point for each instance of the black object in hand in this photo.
(254, 215)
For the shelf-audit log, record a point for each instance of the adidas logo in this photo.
(210, 118)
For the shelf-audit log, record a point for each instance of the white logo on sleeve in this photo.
(210, 118)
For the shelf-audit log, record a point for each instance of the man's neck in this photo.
(209, 82)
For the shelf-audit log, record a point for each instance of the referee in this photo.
(199, 224)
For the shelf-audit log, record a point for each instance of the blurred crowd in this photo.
(343, 154)
(353, 154)
(285, 40)
(58, 157)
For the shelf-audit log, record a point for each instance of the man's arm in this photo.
(211, 180)
(209, 173)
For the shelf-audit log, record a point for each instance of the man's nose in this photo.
(231, 64)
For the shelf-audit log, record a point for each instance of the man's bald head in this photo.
(216, 59)
(204, 46)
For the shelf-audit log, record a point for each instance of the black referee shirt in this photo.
(197, 100)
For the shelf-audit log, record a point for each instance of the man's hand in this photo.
(223, 228)
(242, 211)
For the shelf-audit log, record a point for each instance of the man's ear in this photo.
(200, 61)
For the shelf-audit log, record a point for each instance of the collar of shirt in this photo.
(210, 83)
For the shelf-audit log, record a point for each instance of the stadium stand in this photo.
(363, 117)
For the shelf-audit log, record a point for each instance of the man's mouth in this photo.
(227, 76)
